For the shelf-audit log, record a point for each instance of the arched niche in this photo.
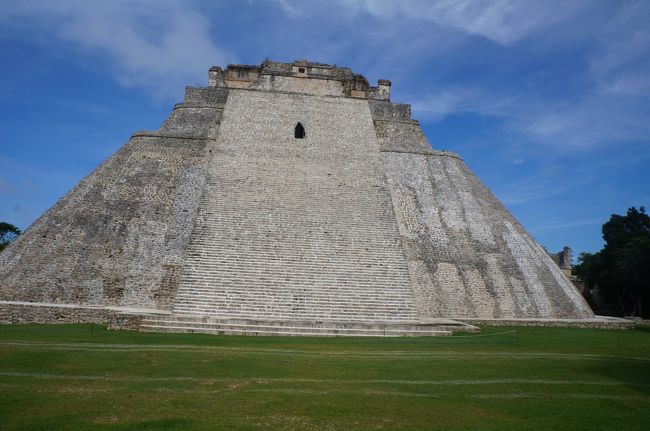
(299, 132)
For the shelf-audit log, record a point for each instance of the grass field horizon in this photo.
(83, 376)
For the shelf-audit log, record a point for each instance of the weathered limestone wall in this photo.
(467, 256)
(296, 228)
(16, 313)
(320, 87)
(118, 238)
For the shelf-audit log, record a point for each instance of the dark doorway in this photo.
(299, 132)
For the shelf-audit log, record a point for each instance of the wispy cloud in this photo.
(436, 106)
(502, 21)
(594, 121)
(622, 63)
(538, 188)
(289, 8)
(454, 99)
(568, 224)
(161, 46)
(565, 75)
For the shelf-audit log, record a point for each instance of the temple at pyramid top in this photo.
(324, 79)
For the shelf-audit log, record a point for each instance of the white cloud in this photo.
(502, 21)
(434, 107)
(622, 65)
(161, 46)
(609, 107)
(458, 100)
(593, 121)
(567, 125)
(291, 10)
(560, 225)
(536, 188)
(580, 73)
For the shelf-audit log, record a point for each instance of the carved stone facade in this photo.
(224, 213)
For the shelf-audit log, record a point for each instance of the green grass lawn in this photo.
(71, 377)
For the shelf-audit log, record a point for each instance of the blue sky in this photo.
(547, 102)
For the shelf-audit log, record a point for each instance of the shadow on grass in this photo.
(642, 327)
(95, 333)
(154, 424)
(635, 374)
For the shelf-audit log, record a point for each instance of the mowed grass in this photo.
(71, 377)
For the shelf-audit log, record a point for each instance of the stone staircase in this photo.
(298, 268)
(307, 303)
(305, 328)
(302, 230)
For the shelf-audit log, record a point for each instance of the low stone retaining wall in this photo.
(114, 318)
(601, 322)
(118, 318)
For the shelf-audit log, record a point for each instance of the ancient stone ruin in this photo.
(284, 198)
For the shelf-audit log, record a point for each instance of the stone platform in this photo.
(311, 328)
(154, 320)
(603, 322)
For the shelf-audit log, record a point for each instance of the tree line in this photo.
(618, 276)
(8, 233)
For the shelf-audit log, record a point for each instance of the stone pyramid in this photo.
(283, 198)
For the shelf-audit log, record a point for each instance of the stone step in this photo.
(324, 308)
(292, 307)
(324, 270)
(295, 315)
(312, 297)
(236, 326)
(344, 298)
(243, 287)
(363, 314)
(288, 302)
(253, 331)
(311, 330)
(243, 284)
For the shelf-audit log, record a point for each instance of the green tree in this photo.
(621, 270)
(8, 233)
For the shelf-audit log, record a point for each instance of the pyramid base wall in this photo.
(44, 313)
(598, 322)
(118, 318)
